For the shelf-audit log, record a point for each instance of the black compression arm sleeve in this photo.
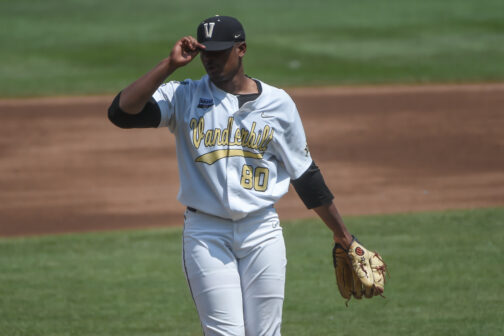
(312, 189)
(150, 116)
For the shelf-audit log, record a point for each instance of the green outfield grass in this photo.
(445, 280)
(56, 47)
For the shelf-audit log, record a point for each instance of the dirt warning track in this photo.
(64, 167)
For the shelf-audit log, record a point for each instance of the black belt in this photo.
(191, 209)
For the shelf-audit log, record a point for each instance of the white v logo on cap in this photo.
(209, 26)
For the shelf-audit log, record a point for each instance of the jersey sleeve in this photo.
(291, 146)
(312, 188)
(170, 98)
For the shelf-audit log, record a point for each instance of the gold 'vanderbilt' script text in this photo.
(223, 137)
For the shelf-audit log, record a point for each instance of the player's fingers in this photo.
(190, 44)
(195, 44)
(185, 42)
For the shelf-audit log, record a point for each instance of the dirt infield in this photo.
(65, 168)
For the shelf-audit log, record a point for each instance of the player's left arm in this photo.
(315, 194)
(359, 272)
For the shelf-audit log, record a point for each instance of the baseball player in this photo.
(240, 143)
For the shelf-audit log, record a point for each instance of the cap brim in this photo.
(217, 45)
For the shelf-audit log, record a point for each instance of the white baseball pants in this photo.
(236, 272)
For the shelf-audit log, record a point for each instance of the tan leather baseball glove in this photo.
(359, 272)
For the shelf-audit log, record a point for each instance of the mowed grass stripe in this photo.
(444, 280)
(71, 47)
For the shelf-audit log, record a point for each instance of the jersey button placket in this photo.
(233, 179)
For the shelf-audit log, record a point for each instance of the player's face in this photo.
(221, 66)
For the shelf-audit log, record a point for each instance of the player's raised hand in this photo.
(184, 51)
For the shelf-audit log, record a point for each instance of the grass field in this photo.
(445, 266)
(445, 280)
(60, 47)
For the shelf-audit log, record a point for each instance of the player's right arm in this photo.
(137, 94)
(134, 106)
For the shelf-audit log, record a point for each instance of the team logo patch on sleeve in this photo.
(205, 103)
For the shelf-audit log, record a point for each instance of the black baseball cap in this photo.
(220, 32)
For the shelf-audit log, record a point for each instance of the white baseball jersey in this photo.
(232, 160)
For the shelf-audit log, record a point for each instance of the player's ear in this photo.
(242, 48)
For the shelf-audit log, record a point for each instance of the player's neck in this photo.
(238, 84)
